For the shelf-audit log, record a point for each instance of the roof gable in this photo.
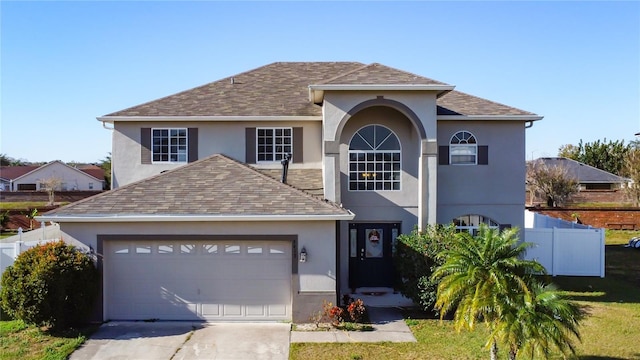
(213, 186)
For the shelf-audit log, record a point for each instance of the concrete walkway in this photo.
(387, 323)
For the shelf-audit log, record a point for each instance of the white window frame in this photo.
(473, 229)
(375, 157)
(460, 141)
(170, 153)
(275, 156)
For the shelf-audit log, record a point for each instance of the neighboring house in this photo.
(33, 178)
(9, 173)
(589, 177)
(199, 226)
(596, 185)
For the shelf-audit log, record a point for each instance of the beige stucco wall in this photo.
(315, 280)
(70, 178)
(496, 190)
(214, 137)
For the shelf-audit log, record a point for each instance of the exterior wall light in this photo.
(303, 255)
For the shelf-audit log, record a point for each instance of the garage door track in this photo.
(183, 340)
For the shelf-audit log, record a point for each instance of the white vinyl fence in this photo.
(11, 247)
(565, 249)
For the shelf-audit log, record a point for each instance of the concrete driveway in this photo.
(186, 340)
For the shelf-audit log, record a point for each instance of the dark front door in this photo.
(371, 254)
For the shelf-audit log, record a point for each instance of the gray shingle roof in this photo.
(216, 185)
(282, 89)
(277, 89)
(582, 172)
(459, 103)
(380, 74)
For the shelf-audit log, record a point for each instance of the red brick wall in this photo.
(596, 217)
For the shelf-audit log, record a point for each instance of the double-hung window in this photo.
(374, 159)
(463, 149)
(169, 145)
(273, 144)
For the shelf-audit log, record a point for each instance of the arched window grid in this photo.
(463, 149)
(374, 160)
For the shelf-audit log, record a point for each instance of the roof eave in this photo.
(177, 118)
(531, 117)
(114, 218)
(316, 92)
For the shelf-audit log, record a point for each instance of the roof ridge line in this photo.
(364, 66)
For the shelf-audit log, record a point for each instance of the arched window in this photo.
(374, 159)
(463, 149)
(470, 223)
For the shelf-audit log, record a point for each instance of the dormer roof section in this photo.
(376, 77)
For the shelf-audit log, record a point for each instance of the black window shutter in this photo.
(483, 155)
(298, 156)
(250, 145)
(145, 145)
(192, 138)
(443, 155)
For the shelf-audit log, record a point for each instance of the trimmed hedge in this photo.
(50, 285)
(415, 259)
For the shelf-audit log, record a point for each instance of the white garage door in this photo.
(195, 280)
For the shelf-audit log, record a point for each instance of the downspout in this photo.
(530, 124)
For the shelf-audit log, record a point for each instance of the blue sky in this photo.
(65, 63)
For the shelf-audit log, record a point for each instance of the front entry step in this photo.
(381, 297)
(374, 290)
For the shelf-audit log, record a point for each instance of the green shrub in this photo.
(416, 258)
(52, 284)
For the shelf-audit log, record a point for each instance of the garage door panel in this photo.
(215, 280)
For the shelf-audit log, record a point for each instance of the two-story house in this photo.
(199, 224)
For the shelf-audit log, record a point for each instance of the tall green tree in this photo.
(607, 156)
(478, 274)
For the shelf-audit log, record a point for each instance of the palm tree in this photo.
(479, 274)
(537, 322)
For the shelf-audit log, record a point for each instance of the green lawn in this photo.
(609, 332)
(19, 341)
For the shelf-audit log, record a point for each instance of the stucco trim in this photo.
(316, 92)
(177, 118)
(396, 105)
(491, 117)
(187, 218)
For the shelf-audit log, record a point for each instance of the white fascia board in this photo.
(491, 117)
(316, 92)
(187, 218)
(112, 119)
